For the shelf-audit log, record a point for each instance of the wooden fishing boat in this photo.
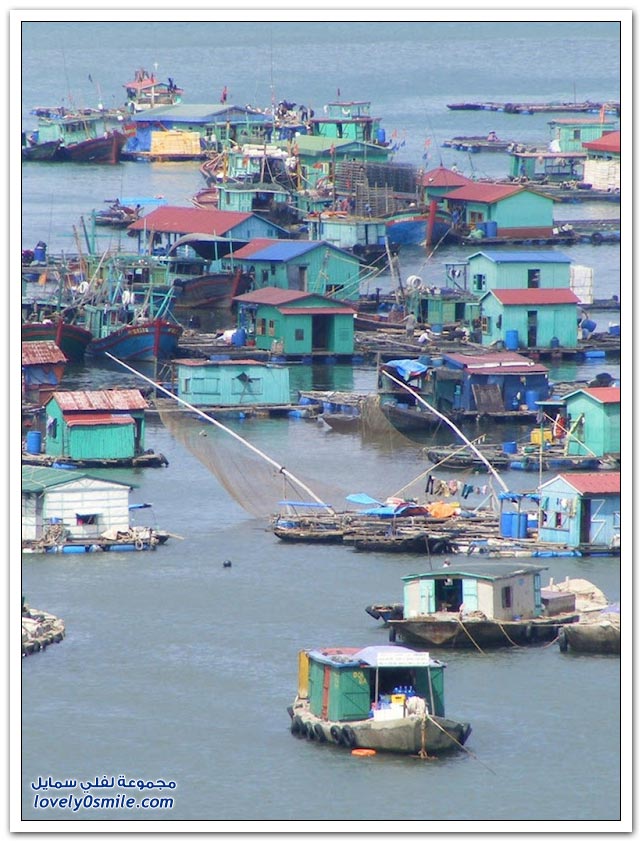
(498, 603)
(386, 611)
(86, 136)
(477, 143)
(116, 215)
(380, 698)
(95, 150)
(526, 458)
(72, 339)
(145, 340)
(600, 635)
(34, 151)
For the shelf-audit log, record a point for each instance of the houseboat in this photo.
(375, 699)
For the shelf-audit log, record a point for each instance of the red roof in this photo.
(176, 220)
(487, 193)
(317, 311)
(602, 482)
(442, 177)
(105, 400)
(190, 361)
(81, 419)
(257, 244)
(497, 361)
(43, 352)
(535, 297)
(274, 296)
(603, 394)
(609, 142)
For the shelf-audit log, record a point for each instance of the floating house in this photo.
(82, 505)
(602, 167)
(494, 269)
(529, 318)
(502, 381)
(43, 367)
(187, 131)
(106, 425)
(500, 210)
(232, 383)
(145, 92)
(440, 182)
(296, 323)
(165, 226)
(570, 134)
(581, 511)
(309, 266)
(363, 236)
(348, 121)
(595, 421)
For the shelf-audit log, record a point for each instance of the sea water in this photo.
(175, 667)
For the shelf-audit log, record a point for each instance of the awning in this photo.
(208, 246)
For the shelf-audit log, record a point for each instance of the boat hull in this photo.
(593, 638)
(72, 340)
(214, 290)
(47, 151)
(98, 150)
(462, 633)
(411, 230)
(157, 339)
(412, 734)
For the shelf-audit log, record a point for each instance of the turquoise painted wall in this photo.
(600, 432)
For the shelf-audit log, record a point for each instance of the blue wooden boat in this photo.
(146, 340)
(409, 227)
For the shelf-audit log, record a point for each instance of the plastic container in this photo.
(555, 343)
(34, 441)
(238, 337)
(509, 447)
(531, 398)
(40, 252)
(491, 228)
(397, 699)
(506, 524)
(540, 436)
(512, 340)
(520, 525)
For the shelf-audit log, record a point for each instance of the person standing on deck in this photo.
(411, 323)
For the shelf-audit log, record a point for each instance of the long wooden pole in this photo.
(225, 429)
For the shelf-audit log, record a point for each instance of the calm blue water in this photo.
(175, 667)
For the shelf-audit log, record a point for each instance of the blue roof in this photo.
(523, 256)
(284, 250)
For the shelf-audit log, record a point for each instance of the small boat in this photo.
(116, 215)
(598, 635)
(478, 143)
(380, 698)
(386, 611)
(39, 629)
(95, 150)
(145, 92)
(34, 151)
(145, 340)
(526, 458)
(86, 136)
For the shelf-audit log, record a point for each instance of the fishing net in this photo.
(253, 479)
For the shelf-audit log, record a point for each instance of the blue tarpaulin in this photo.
(407, 368)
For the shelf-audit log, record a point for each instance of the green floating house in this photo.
(101, 425)
(310, 266)
(529, 318)
(296, 323)
(595, 421)
(232, 383)
(501, 210)
(502, 269)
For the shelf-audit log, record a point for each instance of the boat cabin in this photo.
(595, 418)
(232, 382)
(348, 121)
(581, 511)
(500, 590)
(81, 504)
(107, 424)
(346, 684)
(43, 367)
(145, 91)
(296, 323)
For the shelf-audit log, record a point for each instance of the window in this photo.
(485, 324)
(479, 283)
(533, 278)
(299, 334)
(273, 268)
(507, 597)
(52, 427)
(261, 327)
(86, 520)
(271, 328)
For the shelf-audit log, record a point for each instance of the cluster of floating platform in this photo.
(39, 630)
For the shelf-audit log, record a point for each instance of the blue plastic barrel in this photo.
(34, 441)
(436, 328)
(40, 252)
(614, 330)
(506, 524)
(381, 136)
(238, 337)
(555, 343)
(509, 447)
(532, 396)
(512, 340)
(491, 228)
(520, 525)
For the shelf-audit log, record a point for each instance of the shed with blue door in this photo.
(295, 323)
(529, 318)
(232, 382)
(309, 266)
(594, 428)
(493, 382)
(581, 511)
(499, 590)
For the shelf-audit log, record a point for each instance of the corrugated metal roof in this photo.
(609, 142)
(274, 296)
(198, 112)
(486, 193)
(603, 394)
(504, 360)
(36, 478)
(601, 482)
(316, 144)
(317, 311)
(522, 256)
(442, 177)
(82, 419)
(177, 220)
(41, 353)
(106, 400)
(510, 297)
(488, 570)
(189, 361)
(277, 251)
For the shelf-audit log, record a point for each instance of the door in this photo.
(531, 332)
(326, 691)
(469, 594)
(585, 520)
(320, 331)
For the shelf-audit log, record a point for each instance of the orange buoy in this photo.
(363, 752)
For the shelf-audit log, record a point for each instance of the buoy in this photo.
(363, 752)
(227, 563)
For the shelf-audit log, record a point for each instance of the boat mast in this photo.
(281, 469)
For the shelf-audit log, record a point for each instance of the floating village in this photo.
(300, 210)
